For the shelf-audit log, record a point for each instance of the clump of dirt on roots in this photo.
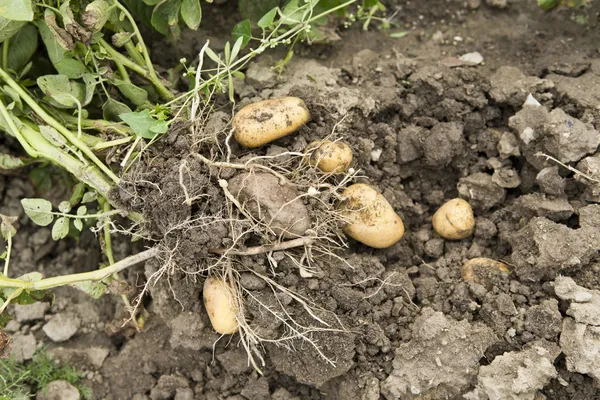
(180, 186)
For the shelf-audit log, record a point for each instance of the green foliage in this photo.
(22, 380)
(144, 125)
(550, 4)
(167, 16)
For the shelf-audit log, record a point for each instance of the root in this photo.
(574, 170)
(251, 251)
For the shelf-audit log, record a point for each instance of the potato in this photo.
(454, 220)
(330, 157)
(260, 123)
(220, 305)
(372, 220)
(483, 271)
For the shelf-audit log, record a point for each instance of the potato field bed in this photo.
(354, 322)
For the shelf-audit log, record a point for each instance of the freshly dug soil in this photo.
(423, 129)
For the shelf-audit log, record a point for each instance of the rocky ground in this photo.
(516, 136)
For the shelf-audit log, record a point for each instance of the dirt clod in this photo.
(419, 366)
(275, 204)
(517, 375)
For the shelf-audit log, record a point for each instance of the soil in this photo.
(424, 129)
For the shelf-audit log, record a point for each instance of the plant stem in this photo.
(56, 125)
(5, 47)
(243, 60)
(122, 71)
(16, 132)
(116, 142)
(134, 53)
(98, 275)
(101, 125)
(108, 249)
(151, 76)
(8, 250)
(139, 37)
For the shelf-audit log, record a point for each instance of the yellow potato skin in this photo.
(454, 220)
(220, 305)
(471, 269)
(372, 220)
(330, 157)
(260, 123)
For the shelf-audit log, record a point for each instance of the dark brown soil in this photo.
(422, 133)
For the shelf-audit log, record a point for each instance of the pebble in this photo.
(473, 58)
(62, 327)
(30, 312)
(58, 390)
(23, 347)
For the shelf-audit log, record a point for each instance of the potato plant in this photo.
(79, 92)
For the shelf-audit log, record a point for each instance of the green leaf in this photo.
(152, 2)
(39, 210)
(548, 4)
(8, 162)
(113, 108)
(53, 136)
(7, 230)
(144, 125)
(236, 49)
(398, 35)
(88, 197)
(165, 18)
(292, 14)
(64, 207)
(136, 95)
(243, 30)
(62, 92)
(77, 194)
(212, 55)
(90, 87)
(60, 230)
(91, 288)
(41, 178)
(22, 47)
(121, 39)
(81, 211)
(78, 224)
(255, 10)
(370, 3)
(16, 10)
(267, 19)
(8, 28)
(96, 15)
(191, 12)
(65, 65)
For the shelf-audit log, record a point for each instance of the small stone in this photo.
(508, 146)
(184, 394)
(30, 312)
(23, 347)
(506, 178)
(434, 248)
(550, 182)
(566, 289)
(473, 4)
(167, 387)
(61, 327)
(58, 390)
(471, 58)
(480, 191)
(497, 3)
(12, 326)
(544, 320)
